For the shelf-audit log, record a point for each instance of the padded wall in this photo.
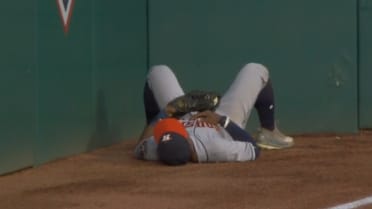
(65, 93)
(120, 64)
(365, 64)
(65, 81)
(309, 47)
(89, 77)
(17, 84)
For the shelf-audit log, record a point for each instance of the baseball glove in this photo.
(195, 101)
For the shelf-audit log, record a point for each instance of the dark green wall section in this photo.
(67, 93)
(64, 94)
(309, 47)
(65, 81)
(17, 84)
(120, 64)
(87, 77)
(365, 64)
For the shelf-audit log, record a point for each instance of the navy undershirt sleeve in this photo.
(160, 115)
(240, 134)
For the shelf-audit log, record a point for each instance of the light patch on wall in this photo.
(65, 8)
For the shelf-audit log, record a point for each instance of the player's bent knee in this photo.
(159, 71)
(159, 68)
(257, 69)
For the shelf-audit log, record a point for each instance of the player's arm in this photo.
(146, 147)
(148, 130)
(230, 126)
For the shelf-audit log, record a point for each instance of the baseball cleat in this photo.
(275, 139)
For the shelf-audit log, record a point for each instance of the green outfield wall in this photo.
(309, 47)
(88, 77)
(365, 63)
(18, 82)
(67, 93)
(70, 88)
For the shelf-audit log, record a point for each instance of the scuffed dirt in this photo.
(319, 172)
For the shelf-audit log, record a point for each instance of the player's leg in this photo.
(253, 88)
(161, 87)
(240, 98)
(265, 106)
(151, 106)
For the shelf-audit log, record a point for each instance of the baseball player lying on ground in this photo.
(202, 126)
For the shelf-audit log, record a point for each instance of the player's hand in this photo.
(170, 110)
(208, 116)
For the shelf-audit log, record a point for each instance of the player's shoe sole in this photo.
(273, 139)
(271, 147)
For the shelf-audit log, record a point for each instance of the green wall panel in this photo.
(365, 64)
(309, 47)
(68, 93)
(89, 89)
(17, 84)
(120, 63)
(65, 81)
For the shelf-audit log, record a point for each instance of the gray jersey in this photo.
(212, 144)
